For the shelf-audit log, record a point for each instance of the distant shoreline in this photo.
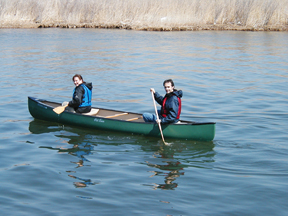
(125, 27)
(147, 15)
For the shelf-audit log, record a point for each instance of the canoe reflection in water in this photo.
(168, 162)
(80, 148)
(197, 155)
(174, 171)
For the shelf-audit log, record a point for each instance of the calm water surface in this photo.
(237, 79)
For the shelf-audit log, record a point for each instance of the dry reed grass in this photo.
(160, 15)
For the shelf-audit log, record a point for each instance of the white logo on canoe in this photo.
(99, 120)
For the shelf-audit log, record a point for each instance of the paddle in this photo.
(159, 124)
(60, 109)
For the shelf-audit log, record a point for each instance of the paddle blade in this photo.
(59, 109)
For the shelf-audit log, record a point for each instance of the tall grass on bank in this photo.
(163, 15)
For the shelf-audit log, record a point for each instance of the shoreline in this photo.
(147, 15)
(215, 27)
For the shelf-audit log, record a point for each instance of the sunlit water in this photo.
(236, 79)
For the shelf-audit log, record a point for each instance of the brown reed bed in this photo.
(150, 15)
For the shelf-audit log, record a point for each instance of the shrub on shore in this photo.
(160, 15)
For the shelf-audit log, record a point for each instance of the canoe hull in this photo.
(196, 131)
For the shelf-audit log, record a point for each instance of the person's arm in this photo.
(77, 97)
(158, 98)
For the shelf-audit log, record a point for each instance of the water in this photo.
(237, 79)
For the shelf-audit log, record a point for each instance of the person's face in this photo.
(168, 87)
(77, 81)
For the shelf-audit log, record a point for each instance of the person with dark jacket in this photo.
(82, 95)
(170, 104)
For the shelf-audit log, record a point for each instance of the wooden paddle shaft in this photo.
(159, 124)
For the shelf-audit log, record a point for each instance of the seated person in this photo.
(82, 95)
(170, 104)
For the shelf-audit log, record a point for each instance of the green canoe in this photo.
(106, 119)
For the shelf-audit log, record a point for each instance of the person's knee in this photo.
(145, 116)
(148, 117)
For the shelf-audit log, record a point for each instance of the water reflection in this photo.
(166, 163)
(80, 147)
(172, 160)
(171, 171)
(79, 150)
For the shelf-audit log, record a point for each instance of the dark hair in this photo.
(77, 75)
(167, 81)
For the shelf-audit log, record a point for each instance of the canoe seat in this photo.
(92, 112)
(179, 122)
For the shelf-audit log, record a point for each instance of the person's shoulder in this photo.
(178, 93)
(89, 85)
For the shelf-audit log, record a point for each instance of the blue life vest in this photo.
(86, 97)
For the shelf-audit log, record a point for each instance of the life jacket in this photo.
(165, 111)
(86, 97)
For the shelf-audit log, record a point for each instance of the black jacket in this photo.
(78, 96)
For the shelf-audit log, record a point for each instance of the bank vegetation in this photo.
(158, 15)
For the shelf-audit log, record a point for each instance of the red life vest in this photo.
(165, 111)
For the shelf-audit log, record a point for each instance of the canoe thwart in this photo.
(113, 116)
(133, 119)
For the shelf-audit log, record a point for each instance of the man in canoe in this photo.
(170, 104)
(82, 95)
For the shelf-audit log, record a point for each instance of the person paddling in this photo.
(82, 95)
(170, 104)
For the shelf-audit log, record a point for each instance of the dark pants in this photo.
(83, 109)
